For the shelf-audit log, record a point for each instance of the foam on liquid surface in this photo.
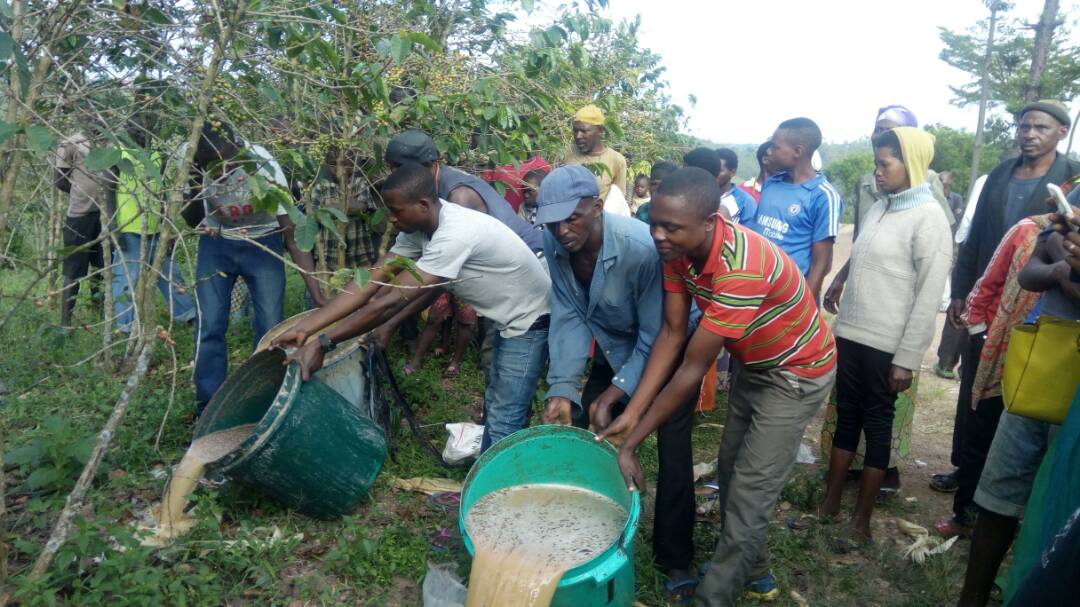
(527, 536)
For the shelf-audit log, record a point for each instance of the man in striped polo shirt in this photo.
(756, 304)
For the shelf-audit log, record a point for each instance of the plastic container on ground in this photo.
(568, 456)
(312, 448)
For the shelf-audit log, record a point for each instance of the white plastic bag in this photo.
(704, 469)
(442, 587)
(463, 442)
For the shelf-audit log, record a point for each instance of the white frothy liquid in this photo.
(527, 536)
(171, 519)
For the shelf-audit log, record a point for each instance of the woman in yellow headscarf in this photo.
(886, 321)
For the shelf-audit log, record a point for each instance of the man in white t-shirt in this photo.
(615, 203)
(473, 256)
(239, 241)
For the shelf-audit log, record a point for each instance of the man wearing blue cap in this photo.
(606, 285)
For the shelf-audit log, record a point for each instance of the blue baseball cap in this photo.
(561, 192)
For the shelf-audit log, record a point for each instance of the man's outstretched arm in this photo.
(380, 309)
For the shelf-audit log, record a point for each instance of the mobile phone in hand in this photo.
(1063, 207)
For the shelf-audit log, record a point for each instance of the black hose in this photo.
(380, 369)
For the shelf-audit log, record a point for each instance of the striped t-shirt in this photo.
(752, 294)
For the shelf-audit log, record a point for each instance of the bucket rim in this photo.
(267, 425)
(342, 351)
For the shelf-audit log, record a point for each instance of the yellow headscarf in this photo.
(917, 147)
(590, 114)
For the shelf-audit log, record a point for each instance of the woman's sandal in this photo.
(805, 521)
(681, 592)
(452, 370)
(449, 501)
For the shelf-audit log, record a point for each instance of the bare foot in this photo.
(828, 515)
(851, 540)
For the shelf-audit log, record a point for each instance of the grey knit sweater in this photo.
(896, 276)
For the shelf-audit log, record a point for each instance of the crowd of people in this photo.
(626, 292)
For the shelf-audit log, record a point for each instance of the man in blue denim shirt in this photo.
(606, 285)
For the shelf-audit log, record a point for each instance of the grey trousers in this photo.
(766, 416)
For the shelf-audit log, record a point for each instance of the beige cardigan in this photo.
(899, 264)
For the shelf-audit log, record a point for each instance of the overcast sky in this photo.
(835, 61)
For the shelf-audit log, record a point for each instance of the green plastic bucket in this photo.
(567, 456)
(312, 449)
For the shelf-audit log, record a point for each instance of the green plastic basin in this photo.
(568, 456)
(311, 449)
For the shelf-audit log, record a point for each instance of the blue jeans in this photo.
(516, 365)
(127, 259)
(220, 262)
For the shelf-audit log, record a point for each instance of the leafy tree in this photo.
(314, 80)
(1009, 64)
(845, 173)
(953, 151)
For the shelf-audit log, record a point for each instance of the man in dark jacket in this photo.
(1014, 189)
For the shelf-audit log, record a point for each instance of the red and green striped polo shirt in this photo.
(753, 295)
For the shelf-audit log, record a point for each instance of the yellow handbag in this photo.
(1042, 369)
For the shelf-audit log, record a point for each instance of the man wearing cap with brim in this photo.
(588, 149)
(469, 191)
(457, 186)
(606, 284)
(466, 253)
(1013, 190)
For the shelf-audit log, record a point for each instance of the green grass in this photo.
(376, 556)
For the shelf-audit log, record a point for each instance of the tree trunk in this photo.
(1072, 133)
(1044, 35)
(57, 212)
(447, 23)
(144, 298)
(984, 96)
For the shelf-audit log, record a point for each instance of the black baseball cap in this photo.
(412, 146)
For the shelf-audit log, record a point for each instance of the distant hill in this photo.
(748, 167)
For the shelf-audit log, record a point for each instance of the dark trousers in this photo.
(953, 343)
(864, 401)
(220, 262)
(974, 431)
(79, 231)
(968, 366)
(673, 519)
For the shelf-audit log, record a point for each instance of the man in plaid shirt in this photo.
(364, 230)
